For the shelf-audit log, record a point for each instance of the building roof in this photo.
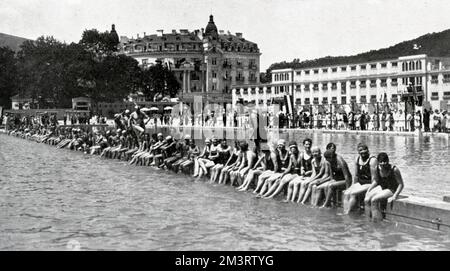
(227, 42)
(166, 38)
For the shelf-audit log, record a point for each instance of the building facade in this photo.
(358, 83)
(206, 62)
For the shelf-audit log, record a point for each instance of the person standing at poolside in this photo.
(388, 186)
(365, 174)
(136, 121)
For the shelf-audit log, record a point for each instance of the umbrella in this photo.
(154, 109)
(167, 108)
(145, 109)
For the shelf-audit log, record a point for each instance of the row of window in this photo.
(435, 80)
(412, 65)
(160, 47)
(344, 68)
(334, 100)
(281, 76)
(435, 95)
(363, 83)
(227, 63)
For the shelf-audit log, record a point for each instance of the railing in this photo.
(384, 84)
(434, 81)
(373, 85)
(333, 87)
(315, 88)
(446, 80)
(352, 86)
(306, 89)
(434, 98)
(324, 88)
(394, 84)
(362, 86)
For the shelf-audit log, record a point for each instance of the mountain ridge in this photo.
(432, 44)
(11, 41)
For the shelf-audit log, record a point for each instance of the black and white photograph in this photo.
(250, 127)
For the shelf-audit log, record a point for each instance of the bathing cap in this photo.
(187, 137)
(160, 134)
(292, 144)
(281, 142)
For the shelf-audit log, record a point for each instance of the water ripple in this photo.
(49, 197)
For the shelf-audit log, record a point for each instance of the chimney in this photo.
(159, 33)
(228, 32)
(144, 34)
(221, 32)
(174, 31)
(184, 31)
(239, 35)
(138, 35)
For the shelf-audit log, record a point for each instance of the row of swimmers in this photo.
(302, 176)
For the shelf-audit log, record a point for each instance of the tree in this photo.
(40, 70)
(8, 74)
(115, 78)
(101, 44)
(159, 80)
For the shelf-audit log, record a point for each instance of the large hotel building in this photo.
(206, 62)
(355, 83)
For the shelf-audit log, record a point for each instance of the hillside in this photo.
(434, 44)
(10, 41)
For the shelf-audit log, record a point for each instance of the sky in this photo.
(283, 29)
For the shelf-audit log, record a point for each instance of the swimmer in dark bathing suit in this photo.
(365, 175)
(388, 186)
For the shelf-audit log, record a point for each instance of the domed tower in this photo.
(211, 29)
(113, 35)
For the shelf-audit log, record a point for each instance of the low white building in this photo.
(358, 83)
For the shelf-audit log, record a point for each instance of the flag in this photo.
(289, 101)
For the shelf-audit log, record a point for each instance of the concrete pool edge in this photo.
(423, 212)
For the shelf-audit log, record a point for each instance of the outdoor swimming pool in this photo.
(50, 198)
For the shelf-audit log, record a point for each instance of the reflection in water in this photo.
(57, 199)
